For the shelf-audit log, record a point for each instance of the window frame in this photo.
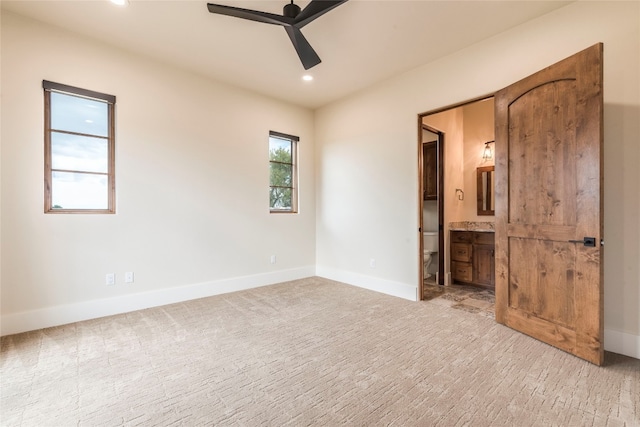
(294, 173)
(110, 100)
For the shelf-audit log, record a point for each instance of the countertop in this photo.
(485, 227)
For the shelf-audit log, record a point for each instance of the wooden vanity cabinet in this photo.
(461, 256)
(473, 258)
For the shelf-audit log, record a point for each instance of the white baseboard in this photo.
(622, 343)
(614, 341)
(70, 313)
(389, 287)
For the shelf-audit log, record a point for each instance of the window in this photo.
(283, 191)
(79, 150)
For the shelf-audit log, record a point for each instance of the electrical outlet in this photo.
(372, 263)
(128, 277)
(110, 279)
(273, 259)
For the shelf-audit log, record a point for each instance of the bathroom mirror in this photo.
(486, 196)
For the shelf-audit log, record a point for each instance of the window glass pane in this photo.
(279, 150)
(281, 175)
(80, 153)
(280, 198)
(81, 115)
(79, 191)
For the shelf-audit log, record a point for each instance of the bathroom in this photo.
(456, 159)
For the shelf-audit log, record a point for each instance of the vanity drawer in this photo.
(462, 236)
(461, 252)
(462, 271)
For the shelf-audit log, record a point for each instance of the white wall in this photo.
(367, 158)
(191, 180)
(430, 215)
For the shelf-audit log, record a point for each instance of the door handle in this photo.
(587, 241)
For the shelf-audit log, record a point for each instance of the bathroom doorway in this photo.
(468, 129)
(431, 162)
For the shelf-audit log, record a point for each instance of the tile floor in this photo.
(467, 298)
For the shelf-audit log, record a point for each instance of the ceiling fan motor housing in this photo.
(291, 10)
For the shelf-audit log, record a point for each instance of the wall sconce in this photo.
(460, 194)
(487, 154)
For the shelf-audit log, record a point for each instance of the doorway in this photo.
(466, 127)
(431, 156)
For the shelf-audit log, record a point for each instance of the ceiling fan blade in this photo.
(307, 55)
(253, 15)
(314, 10)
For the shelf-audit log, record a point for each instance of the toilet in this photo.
(430, 243)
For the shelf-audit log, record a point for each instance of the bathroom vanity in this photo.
(473, 257)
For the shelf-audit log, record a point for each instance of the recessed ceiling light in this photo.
(120, 2)
(307, 77)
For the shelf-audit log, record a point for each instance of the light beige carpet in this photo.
(309, 352)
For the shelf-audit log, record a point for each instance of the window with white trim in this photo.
(283, 173)
(79, 150)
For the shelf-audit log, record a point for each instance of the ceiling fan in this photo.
(292, 19)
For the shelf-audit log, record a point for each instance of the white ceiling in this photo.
(360, 42)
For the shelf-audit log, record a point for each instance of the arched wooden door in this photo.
(549, 136)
